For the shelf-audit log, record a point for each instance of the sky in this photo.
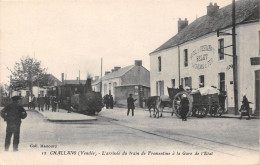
(72, 35)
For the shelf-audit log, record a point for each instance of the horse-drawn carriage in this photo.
(208, 100)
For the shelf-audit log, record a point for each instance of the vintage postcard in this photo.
(129, 82)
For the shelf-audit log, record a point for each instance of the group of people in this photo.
(43, 102)
(109, 101)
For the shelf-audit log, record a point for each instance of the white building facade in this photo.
(197, 55)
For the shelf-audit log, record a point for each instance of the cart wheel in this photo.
(176, 103)
(200, 111)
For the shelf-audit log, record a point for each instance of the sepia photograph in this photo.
(135, 82)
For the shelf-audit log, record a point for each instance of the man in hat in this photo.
(184, 105)
(130, 104)
(245, 107)
(111, 101)
(12, 114)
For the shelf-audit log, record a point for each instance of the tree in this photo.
(27, 73)
(3, 89)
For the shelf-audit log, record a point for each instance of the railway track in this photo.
(203, 143)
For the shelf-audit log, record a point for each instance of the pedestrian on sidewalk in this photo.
(41, 101)
(54, 104)
(245, 107)
(68, 100)
(33, 102)
(106, 101)
(47, 102)
(130, 104)
(184, 107)
(111, 102)
(12, 114)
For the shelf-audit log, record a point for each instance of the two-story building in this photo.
(197, 55)
(120, 82)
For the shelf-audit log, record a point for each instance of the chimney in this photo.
(116, 68)
(182, 24)
(138, 62)
(96, 77)
(107, 72)
(211, 10)
(112, 70)
(62, 78)
(88, 87)
(77, 78)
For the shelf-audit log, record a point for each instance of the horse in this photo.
(155, 103)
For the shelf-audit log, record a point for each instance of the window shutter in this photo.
(162, 88)
(190, 82)
(157, 88)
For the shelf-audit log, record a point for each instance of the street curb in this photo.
(234, 117)
(66, 121)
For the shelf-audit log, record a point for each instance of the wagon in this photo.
(199, 105)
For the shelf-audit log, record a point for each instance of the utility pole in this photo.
(101, 77)
(79, 76)
(179, 66)
(234, 57)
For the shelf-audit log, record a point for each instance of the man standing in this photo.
(12, 114)
(54, 104)
(184, 105)
(41, 101)
(33, 102)
(111, 101)
(68, 101)
(245, 107)
(130, 104)
(47, 102)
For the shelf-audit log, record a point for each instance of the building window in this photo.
(221, 81)
(136, 90)
(159, 64)
(187, 82)
(160, 88)
(221, 49)
(185, 57)
(201, 81)
(173, 83)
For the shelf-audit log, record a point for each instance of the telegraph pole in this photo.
(234, 57)
(79, 76)
(101, 77)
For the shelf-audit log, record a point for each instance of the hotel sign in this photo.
(202, 57)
